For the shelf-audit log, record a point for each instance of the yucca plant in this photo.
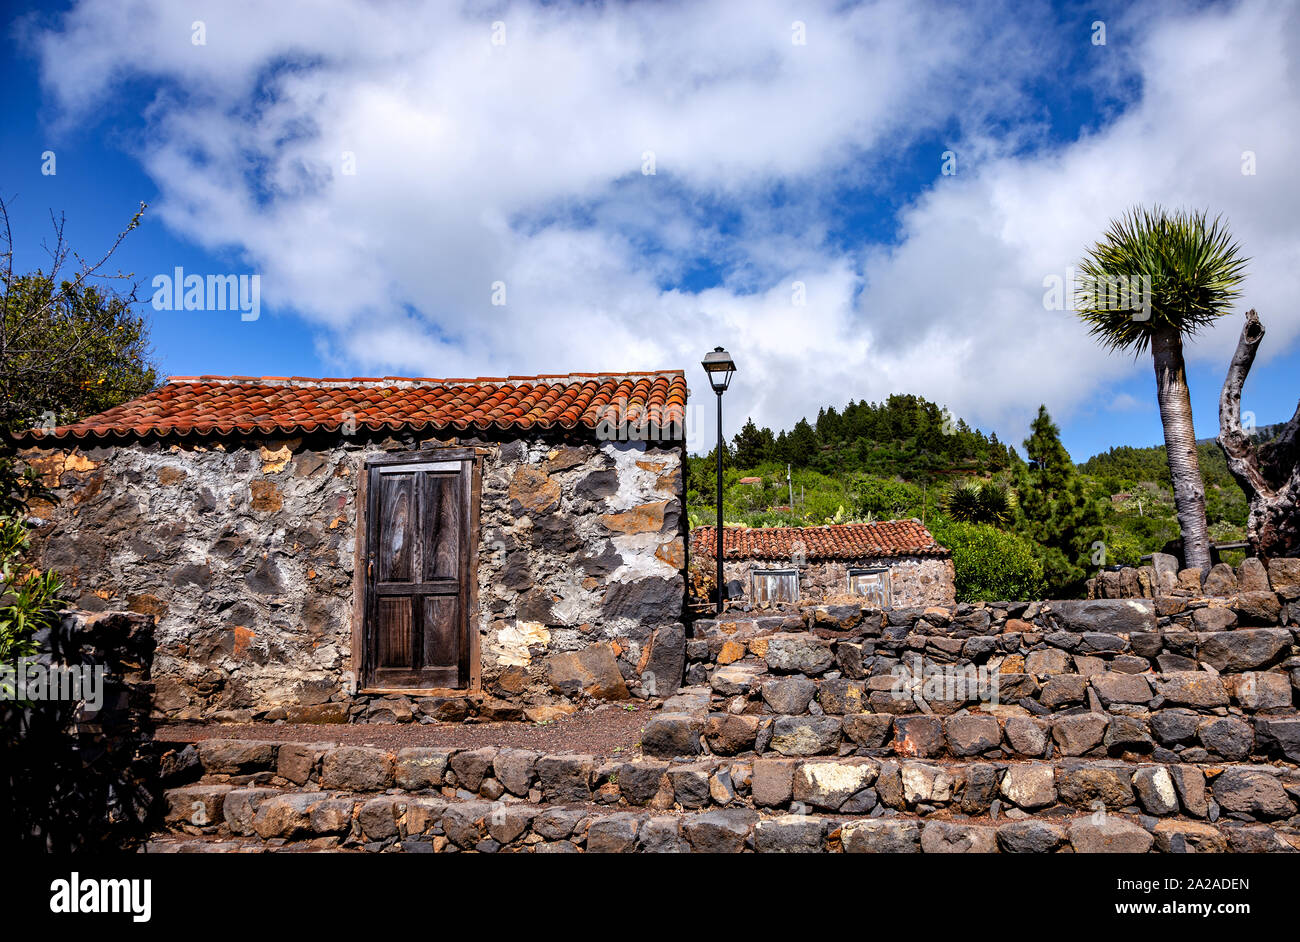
(996, 504)
(978, 502)
(1156, 277)
(962, 502)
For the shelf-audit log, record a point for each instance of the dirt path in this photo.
(606, 731)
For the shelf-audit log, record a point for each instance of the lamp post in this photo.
(720, 367)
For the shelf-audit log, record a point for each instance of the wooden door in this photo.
(418, 572)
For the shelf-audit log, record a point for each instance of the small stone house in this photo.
(891, 564)
(312, 547)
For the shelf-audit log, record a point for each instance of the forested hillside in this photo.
(908, 457)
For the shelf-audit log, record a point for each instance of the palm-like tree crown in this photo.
(978, 502)
(1193, 265)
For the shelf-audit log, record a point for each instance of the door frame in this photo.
(471, 669)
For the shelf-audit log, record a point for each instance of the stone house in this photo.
(896, 563)
(340, 549)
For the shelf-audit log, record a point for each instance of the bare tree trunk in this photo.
(1268, 473)
(1180, 447)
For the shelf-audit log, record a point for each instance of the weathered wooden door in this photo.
(418, 573)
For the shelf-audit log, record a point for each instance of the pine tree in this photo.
(803, 443)
(830, 427)
(1053, 510)
(752, 446)
(781, 449)
(997, 454)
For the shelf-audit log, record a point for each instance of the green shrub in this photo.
(29, 600)
(1122, 548)
(991, 564)
(885, 498)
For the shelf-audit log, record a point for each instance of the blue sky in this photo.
(383, 169)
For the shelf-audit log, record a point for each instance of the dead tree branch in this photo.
(1269, 473)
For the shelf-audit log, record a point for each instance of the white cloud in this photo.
(522, 163)
(1127, 402)
(976, 249)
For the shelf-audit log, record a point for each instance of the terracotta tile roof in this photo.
(221, 405)
(839, 541)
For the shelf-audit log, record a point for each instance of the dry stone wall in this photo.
(243, 551)
(1163, 577)
(78, 768)
(1170, 679)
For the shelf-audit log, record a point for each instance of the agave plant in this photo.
(1155, 278)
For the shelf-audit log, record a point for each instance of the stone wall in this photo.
(1166, 725)
(489, 800)
(73, 776)
(1195, 681)
(915, 580)
(243, 551)
(1163, 577)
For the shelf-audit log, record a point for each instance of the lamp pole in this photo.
(721, 596)
(720, 367)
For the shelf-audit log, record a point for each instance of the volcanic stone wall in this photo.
(1253, 578)
(243, 550)
(1117, 726)
(78, 774)
(321, 796)
(1174, 679)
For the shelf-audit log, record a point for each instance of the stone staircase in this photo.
(295, 796)
(1118, 726)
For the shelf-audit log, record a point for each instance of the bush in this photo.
(991, 564)
(29, 600)
(773, 518)
(1122, 548)
(885, 498)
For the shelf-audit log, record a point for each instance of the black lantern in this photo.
(720, 367)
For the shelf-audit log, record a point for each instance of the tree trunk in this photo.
(1268, 473)
(1180, 447)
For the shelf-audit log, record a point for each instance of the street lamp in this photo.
(720, 367)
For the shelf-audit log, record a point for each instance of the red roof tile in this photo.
(839, 541)
(222, 405)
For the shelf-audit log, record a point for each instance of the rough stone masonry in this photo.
(243, 549)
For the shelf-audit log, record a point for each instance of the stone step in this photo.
(1172, 735)
(749, 686)
(319, 821)
(270, 806)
